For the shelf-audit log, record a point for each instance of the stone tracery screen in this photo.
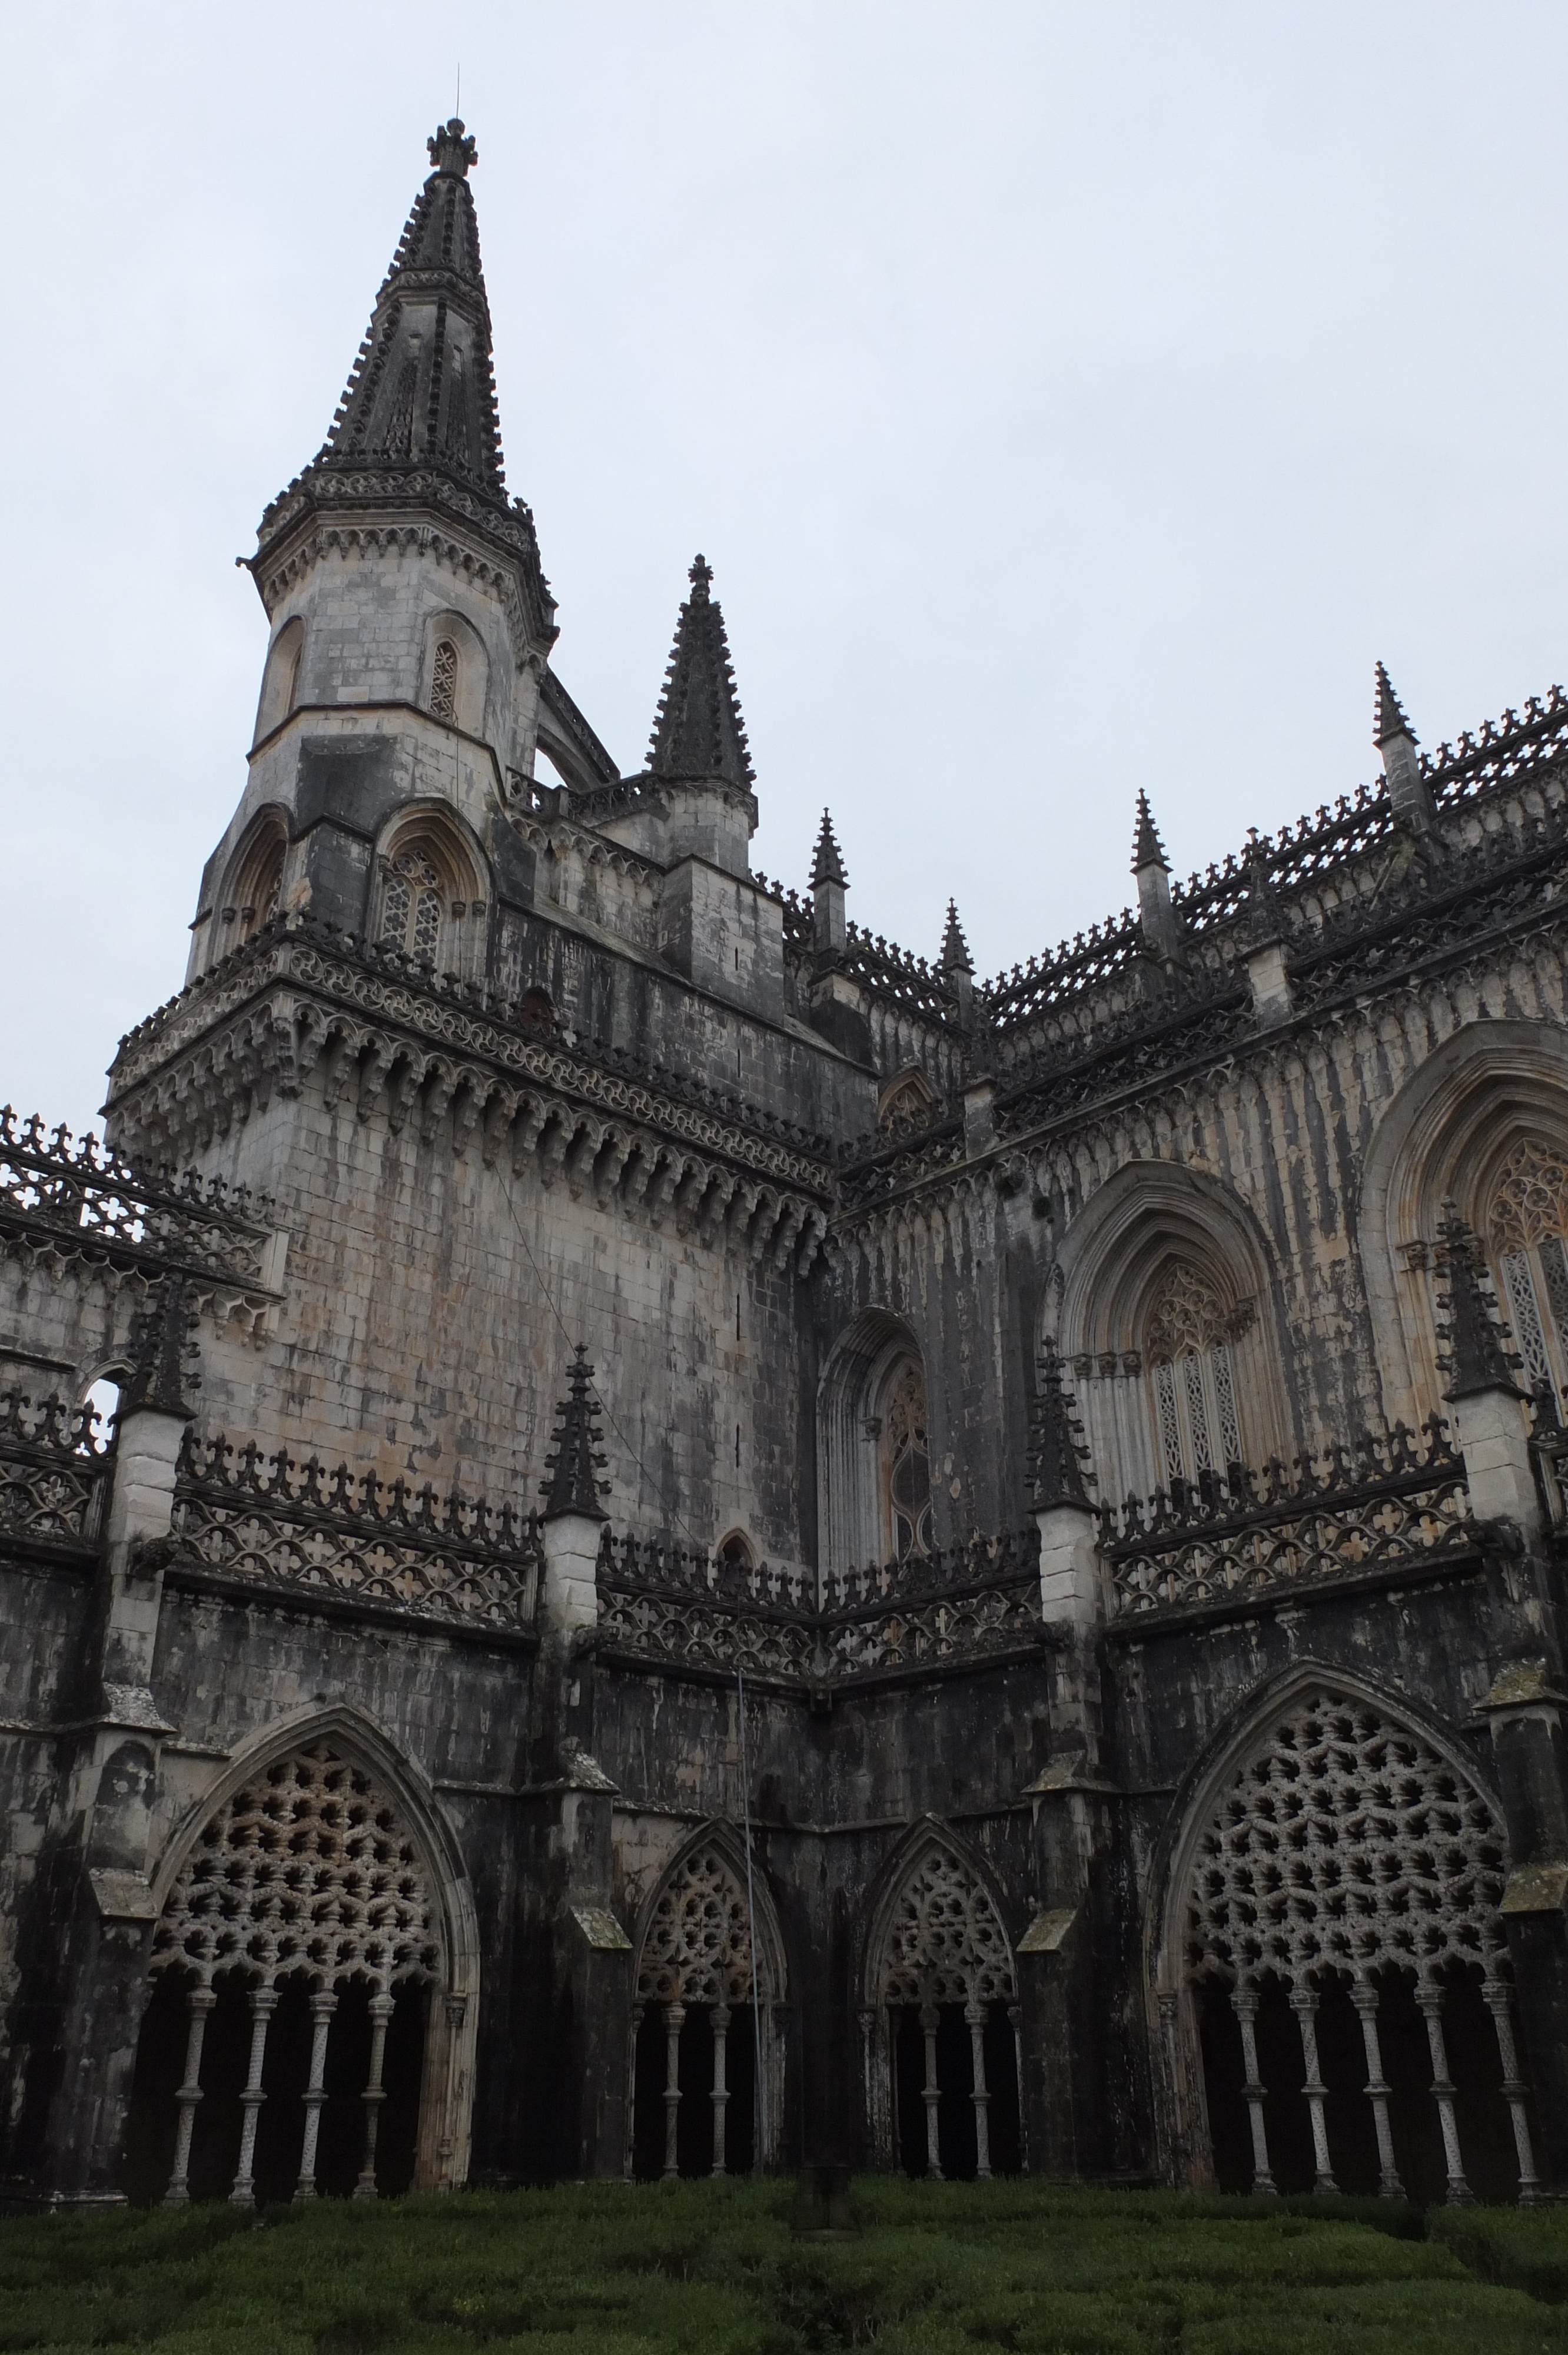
(1527, 1228)
(697, 1947)
(906, 1463)
(308, 1868)
(945, 1942)
(411, 907)
(1186, 1346)
(1346, 1843)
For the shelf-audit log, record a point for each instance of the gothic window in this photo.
(412, 904)
(1348, 1868)
(1528, 1233)
(946, 2088)
(907, 1103)
(906, 1463)
(735, 1551)
(256, 888)
(703, 2100)
(444, 681)
(1187, 1349)
(303, 1922)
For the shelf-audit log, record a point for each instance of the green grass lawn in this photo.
(711, 2269)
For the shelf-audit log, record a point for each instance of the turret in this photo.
(1396, 738)
(411, 625)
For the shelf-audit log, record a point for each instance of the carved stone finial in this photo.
(164, 1363)
(572, 1486)
(955, 957)
(827, 863)
(1476, 1356)
(1148, 850)
(699, 736)
(1058, 1461)
(1388, 720)
(700, 573)
(451, 151)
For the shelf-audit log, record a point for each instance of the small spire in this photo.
(699, 736)
(1148, 850)
(1476, 1356)
(1057, 1463)
(451, 151)
(955, 957)
(828, 866)
(571, 1487)
(164, 1363)
(1388, 720)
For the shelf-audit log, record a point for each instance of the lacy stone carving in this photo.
(310, 1868)
(945, 1943)
(1185, 1314)
(1530, 1198)
(1346, 1843)
(698, 1946)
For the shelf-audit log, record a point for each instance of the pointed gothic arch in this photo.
(311, 1906)
(1168, 1316)
(253, 882)
(430, 891)
(1451, 1132)
(874, 1444)
(280, 678)
(939, 2014)
(709, 1986)
(455, 677)
(1327, 1936)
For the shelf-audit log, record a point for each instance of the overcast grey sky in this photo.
(1069, 398)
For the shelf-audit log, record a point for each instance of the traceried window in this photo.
(411, 904)
(906, 1463)
(1187, 1349)
(444, 681)
(1528, 1233)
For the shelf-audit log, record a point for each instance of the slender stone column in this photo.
(1364, 1995)
(1015, 2020)
(1243, 2003)
(871, 2089)
(324, 2003)
(675, 2018)
(974, 2013)
(1304, 2004)
(721, 2087)
(200, 2004)
(1496, 1992)
(1429, 1995)
(931, 2094)
(263, 2004)
(629, 2169)
(373, 2095)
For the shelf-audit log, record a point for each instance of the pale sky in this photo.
(1069, 398)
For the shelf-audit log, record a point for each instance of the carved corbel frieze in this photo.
(692, 1186)
(617, 1151)
(441, 1086)
(408, 1075)
(531, 1119)
(742, 1211)
(663, 1186)
(722, 1189)
(811, 1236)
(374, 1073)
(500, 1110)
(580, 1158)
(764, 1225)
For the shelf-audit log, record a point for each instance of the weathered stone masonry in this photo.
(691, 1543)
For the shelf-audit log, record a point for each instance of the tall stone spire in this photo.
(699, 736)
(1148, 850)
(1388, 719)
(1057, 1461)
(418, 420)
(1478, 1358)
(955, 957)
(828, 881)
(1396, 740)
(827, 861)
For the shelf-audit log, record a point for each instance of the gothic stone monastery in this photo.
(719, 1547)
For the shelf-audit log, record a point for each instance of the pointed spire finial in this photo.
(827, 863)
(451, 151)
(1058, 1463)
(1148, 850)
(1475, 1353)
(699, 736)
(955, 957)
(577, 1457)
(1388, 719)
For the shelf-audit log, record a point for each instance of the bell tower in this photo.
(410, 627)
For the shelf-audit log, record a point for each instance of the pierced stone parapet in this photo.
(77, 1198)
(54, 1468)
(269, 1521)
(1399, 1504)
(958, 1605)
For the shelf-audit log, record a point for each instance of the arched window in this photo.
(1186, 1346)
(735, 1551)
(444, 681)
(252, 896)
(905, 1463)
(1527, 1229)
(280, 678)
(413, 904)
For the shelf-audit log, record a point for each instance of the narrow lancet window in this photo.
(443, 681)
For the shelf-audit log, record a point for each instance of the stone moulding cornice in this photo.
(383, 1046)
(496, 563)
(112, 1267)
(1246, 1056)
